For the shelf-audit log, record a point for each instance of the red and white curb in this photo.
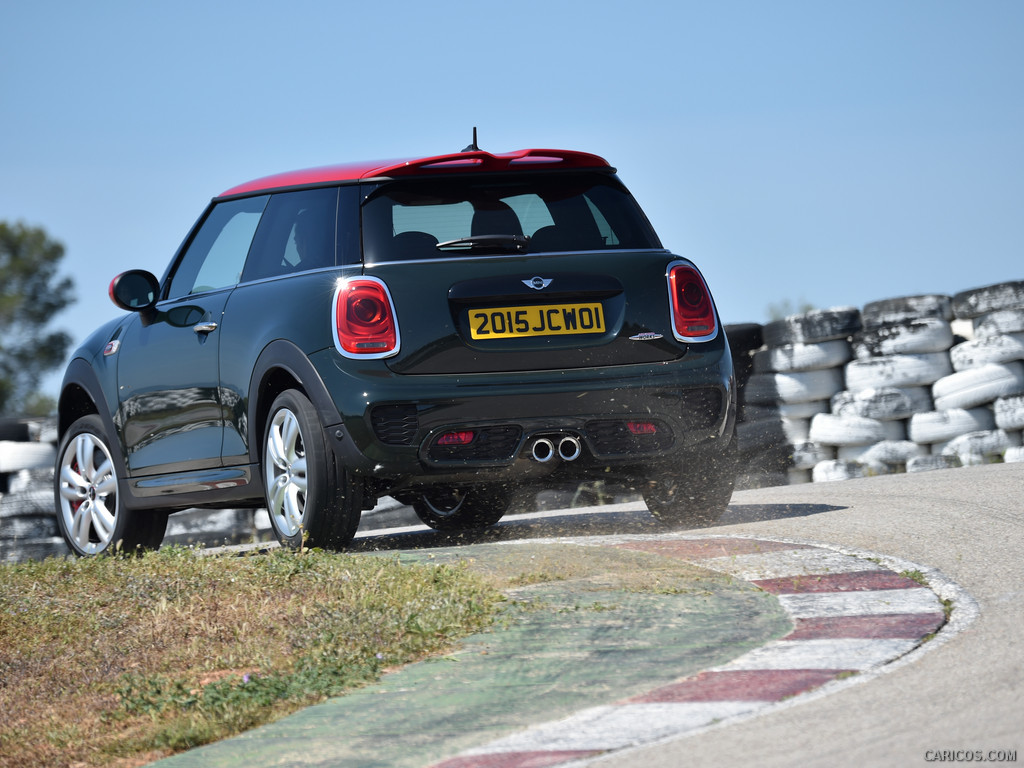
(854, 614)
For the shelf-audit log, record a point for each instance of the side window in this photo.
(216, 254)
(297, 233)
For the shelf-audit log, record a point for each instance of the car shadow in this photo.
(755, 513)
(591, 521)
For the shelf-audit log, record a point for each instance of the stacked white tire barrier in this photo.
(988, 375)
(795, 375)
(901, 350)
(761, 439)
(28, 527)
(906, 384)
(28, 522)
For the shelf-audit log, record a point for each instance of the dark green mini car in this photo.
(441, 330)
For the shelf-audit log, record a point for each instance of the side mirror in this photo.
(134, 290)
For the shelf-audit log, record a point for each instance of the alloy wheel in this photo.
(286, 478)
(88, 493)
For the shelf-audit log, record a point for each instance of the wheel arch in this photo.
(80, 395)
(75, 402)
(281, 366)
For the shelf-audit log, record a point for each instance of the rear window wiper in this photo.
(487, 244)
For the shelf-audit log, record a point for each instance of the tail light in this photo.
(693, 311)
(364, 319)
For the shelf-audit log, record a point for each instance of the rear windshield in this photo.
(536, 213)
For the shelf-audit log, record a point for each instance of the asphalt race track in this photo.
(958, 697)
(960, 702)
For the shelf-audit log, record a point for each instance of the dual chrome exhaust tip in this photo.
(544, 449)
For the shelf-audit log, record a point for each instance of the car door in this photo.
(170, 405)
(297, 236)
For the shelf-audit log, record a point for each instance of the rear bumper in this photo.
(389, 425)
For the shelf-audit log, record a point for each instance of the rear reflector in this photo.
(456, 438)
(641, 427)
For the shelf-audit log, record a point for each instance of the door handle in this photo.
(204, 328)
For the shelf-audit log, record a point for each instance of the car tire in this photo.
(311, 501)
(902, 309)
(991, 298)
(745, 337)
(999, 322)
(982, 447)
(769, 433)
(1009, 412)
(929, 334)
(929, 463)
(760, 390)
(803, 357)
(807, 454)
(14, 430)
(90, 516)
(836, 469)
(861, 454)
(696, 491)
(36, 501)
(940, 426)
(893, 452)
(785, 410)
(793, 389)
(829, 429)
(460, 509)
(807, 410)
(978, 386)
(811, 327)
(883, 403)
(1003, 348)
(897, 371)
(17, 456)
(27, 527)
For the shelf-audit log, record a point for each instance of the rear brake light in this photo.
(693, 311)
(364, 319)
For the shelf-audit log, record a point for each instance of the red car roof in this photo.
(532, 159)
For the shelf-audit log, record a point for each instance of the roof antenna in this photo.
(472, 147)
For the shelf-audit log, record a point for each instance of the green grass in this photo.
(915, 575)
(119, 661)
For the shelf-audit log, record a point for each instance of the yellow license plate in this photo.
(543, 320)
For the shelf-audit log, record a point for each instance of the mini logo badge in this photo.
(538, 283)
(111, 348)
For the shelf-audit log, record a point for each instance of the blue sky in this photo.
(833, 153)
